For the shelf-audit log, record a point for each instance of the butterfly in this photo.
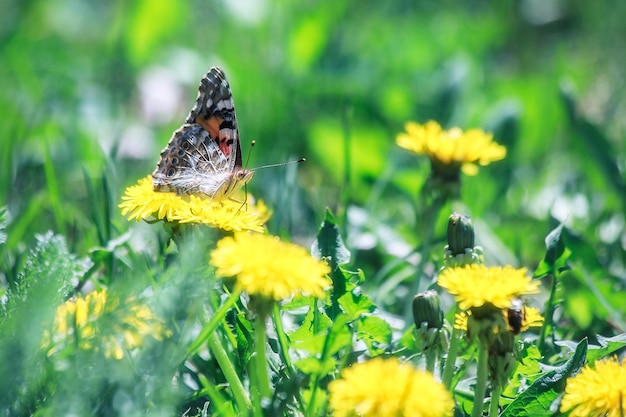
(203, 157)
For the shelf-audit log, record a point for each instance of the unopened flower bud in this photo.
(460, 234)
(427, 309)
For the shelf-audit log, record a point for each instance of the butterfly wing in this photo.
(191, 163)
(215, 111)
(204, 155)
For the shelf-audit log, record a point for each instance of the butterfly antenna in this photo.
(250, 152)
(278, 165)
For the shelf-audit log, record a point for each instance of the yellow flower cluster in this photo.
(76, 321)
(451, 150)
(141, 202)
(264, 265)
(388, 388)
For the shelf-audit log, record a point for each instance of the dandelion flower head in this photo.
(141, 202)
(388, 388)
(597, 392)
(264, 265)
(476, 285)
(449, 150)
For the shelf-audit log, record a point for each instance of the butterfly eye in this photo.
(171, 172)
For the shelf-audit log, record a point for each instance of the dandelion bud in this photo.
(460, 234)
(427, 309)
(460, 250)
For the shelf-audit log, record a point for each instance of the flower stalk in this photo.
(212, 324)
(448, 368)
(237, 388)
(495, 401)
(482, 373)
(259, 371)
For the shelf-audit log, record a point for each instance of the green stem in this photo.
(481, 381)
(428, 221)
(284, 352)
(448, 369)
(282, 338)
(431, 357)
(228, 369)
(549, 313)
(495, 400)
(259, 362)
(315, 380)
(218, 402)
(212, 324)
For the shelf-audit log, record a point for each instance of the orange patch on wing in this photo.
(211, 125)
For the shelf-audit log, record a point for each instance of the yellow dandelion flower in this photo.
(451, 150)
(476, 285)
(531, 318)
(597, 392)
(141, 202)
(77, 318)
(265, 266)
(388, 388)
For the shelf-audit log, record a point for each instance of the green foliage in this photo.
(49, 267)
(91, 91)
(537, 399)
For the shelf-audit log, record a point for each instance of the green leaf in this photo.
(354, 305)
(298, 302)
(526, 371)
(329, 244)
(537, 399)
(608, 345)
(375, 333)
(321, 345)
(313, 365)
(407, 340)
(556, 255)
(245, 339)
(306, 337)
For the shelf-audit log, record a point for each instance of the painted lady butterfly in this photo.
(204, 155)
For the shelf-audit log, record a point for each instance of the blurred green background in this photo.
(90, 93)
